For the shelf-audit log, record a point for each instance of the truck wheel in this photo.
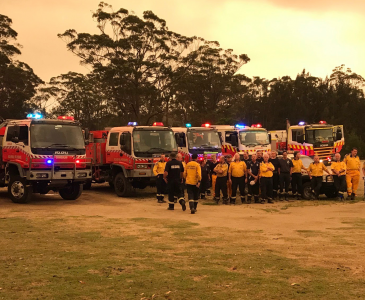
(307, 191)
(18, 191)
(71, 192)
(122, 186)
(87, 185)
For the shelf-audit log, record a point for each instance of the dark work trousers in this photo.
(316, 184)
(275, 184)
(253, 190)
(182, 190)
(266, 187)
(221, 185)
(174, 187)
(161, 187)
(204, 186)
(340, 185)
(193, 192)
(284, 183)
(238, 182)
(296, 183)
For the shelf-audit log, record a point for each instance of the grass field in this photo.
(94, 257)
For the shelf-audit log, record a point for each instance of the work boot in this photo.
(192, 207)
(216, 199)
(225, 201)
(270, 200)
(162, 199)
(171, 207)
(233, 200)
(202, 196)
(257, 200)
(243, 199)
(274, 194)
(196, 206)
(262, 201)
(280, 196)
(209, 193)
(249, 199)
(353, 196)
(299, 196)
(175, 199)
(286, 196)
(182, 203)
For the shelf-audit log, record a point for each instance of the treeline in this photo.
(141, 71)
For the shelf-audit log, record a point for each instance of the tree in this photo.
(17, 80)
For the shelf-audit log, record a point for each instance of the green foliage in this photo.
(17, 80)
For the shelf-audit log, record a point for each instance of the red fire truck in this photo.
(125, 156)
(38, 155)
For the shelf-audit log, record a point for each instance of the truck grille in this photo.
(323, 152)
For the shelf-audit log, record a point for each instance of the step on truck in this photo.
(39, 155)
(197, 140)
(125, 156)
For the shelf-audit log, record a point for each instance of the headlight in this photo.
(142, 166)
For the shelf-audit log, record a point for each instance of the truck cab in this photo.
(197, 140)
(39, 155)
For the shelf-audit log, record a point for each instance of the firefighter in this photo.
(213, 174)
(246, 158)
(285, 171)
(207, 165)
(221, 183)
(193, 176)
(266, 179)
(205, 174)
(352, 162)
(296, 181)
(158, 171)
(229, 185)
(275, 178)
(315, 172)
(253, 169)
(182, 187)
(338, 168)
(237, 174)
(259, 157)
(173, 176)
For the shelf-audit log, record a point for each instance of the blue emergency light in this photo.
(49, 161)
(132, 123)
(188, 125)
(240, 126)
(34, 116)
(301, 123)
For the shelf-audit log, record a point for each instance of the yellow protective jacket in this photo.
(352, 163)
(297, 165)
(264, 172)
(223, 167)
(159, 168)
(237, 169)
(193, 173)
(316, 169)
(339, 166)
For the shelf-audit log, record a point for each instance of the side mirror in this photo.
(234, 140)
(270, 138)
(338, 135)
(87, 134)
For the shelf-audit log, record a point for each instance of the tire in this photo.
(87, 185)
(307, 191)
(18, 191)
(122, 186)
(72, 191)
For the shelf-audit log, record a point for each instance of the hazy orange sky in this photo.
(282, 37)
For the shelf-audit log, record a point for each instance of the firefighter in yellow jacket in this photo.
(315, 171)
(352, 162)
(193, 176)
(158, 171)
(338, 169)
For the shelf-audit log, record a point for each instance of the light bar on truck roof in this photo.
(157, 124)
(132, 123)
(258, 125)
(206, 125)
(68, 118)
(188, 125)
(301, 123)
(240, 126)
(322, 122)
(34, 116)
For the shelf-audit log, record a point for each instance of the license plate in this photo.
(323, 145)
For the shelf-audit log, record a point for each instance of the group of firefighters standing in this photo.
(263, 172)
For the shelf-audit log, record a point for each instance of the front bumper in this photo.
(50, 175)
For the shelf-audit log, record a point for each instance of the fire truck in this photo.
(197, 140)
(38, 155)
(124, 156)
(241, 138)
(320, 139)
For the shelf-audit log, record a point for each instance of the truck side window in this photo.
(294, 136)
(10, 133)
(23, 135)
(113, 139)
(127, 147)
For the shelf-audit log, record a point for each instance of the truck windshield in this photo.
(203, 139)
(153, 141)
(254, 137)
(319, 135)
(56, 136)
